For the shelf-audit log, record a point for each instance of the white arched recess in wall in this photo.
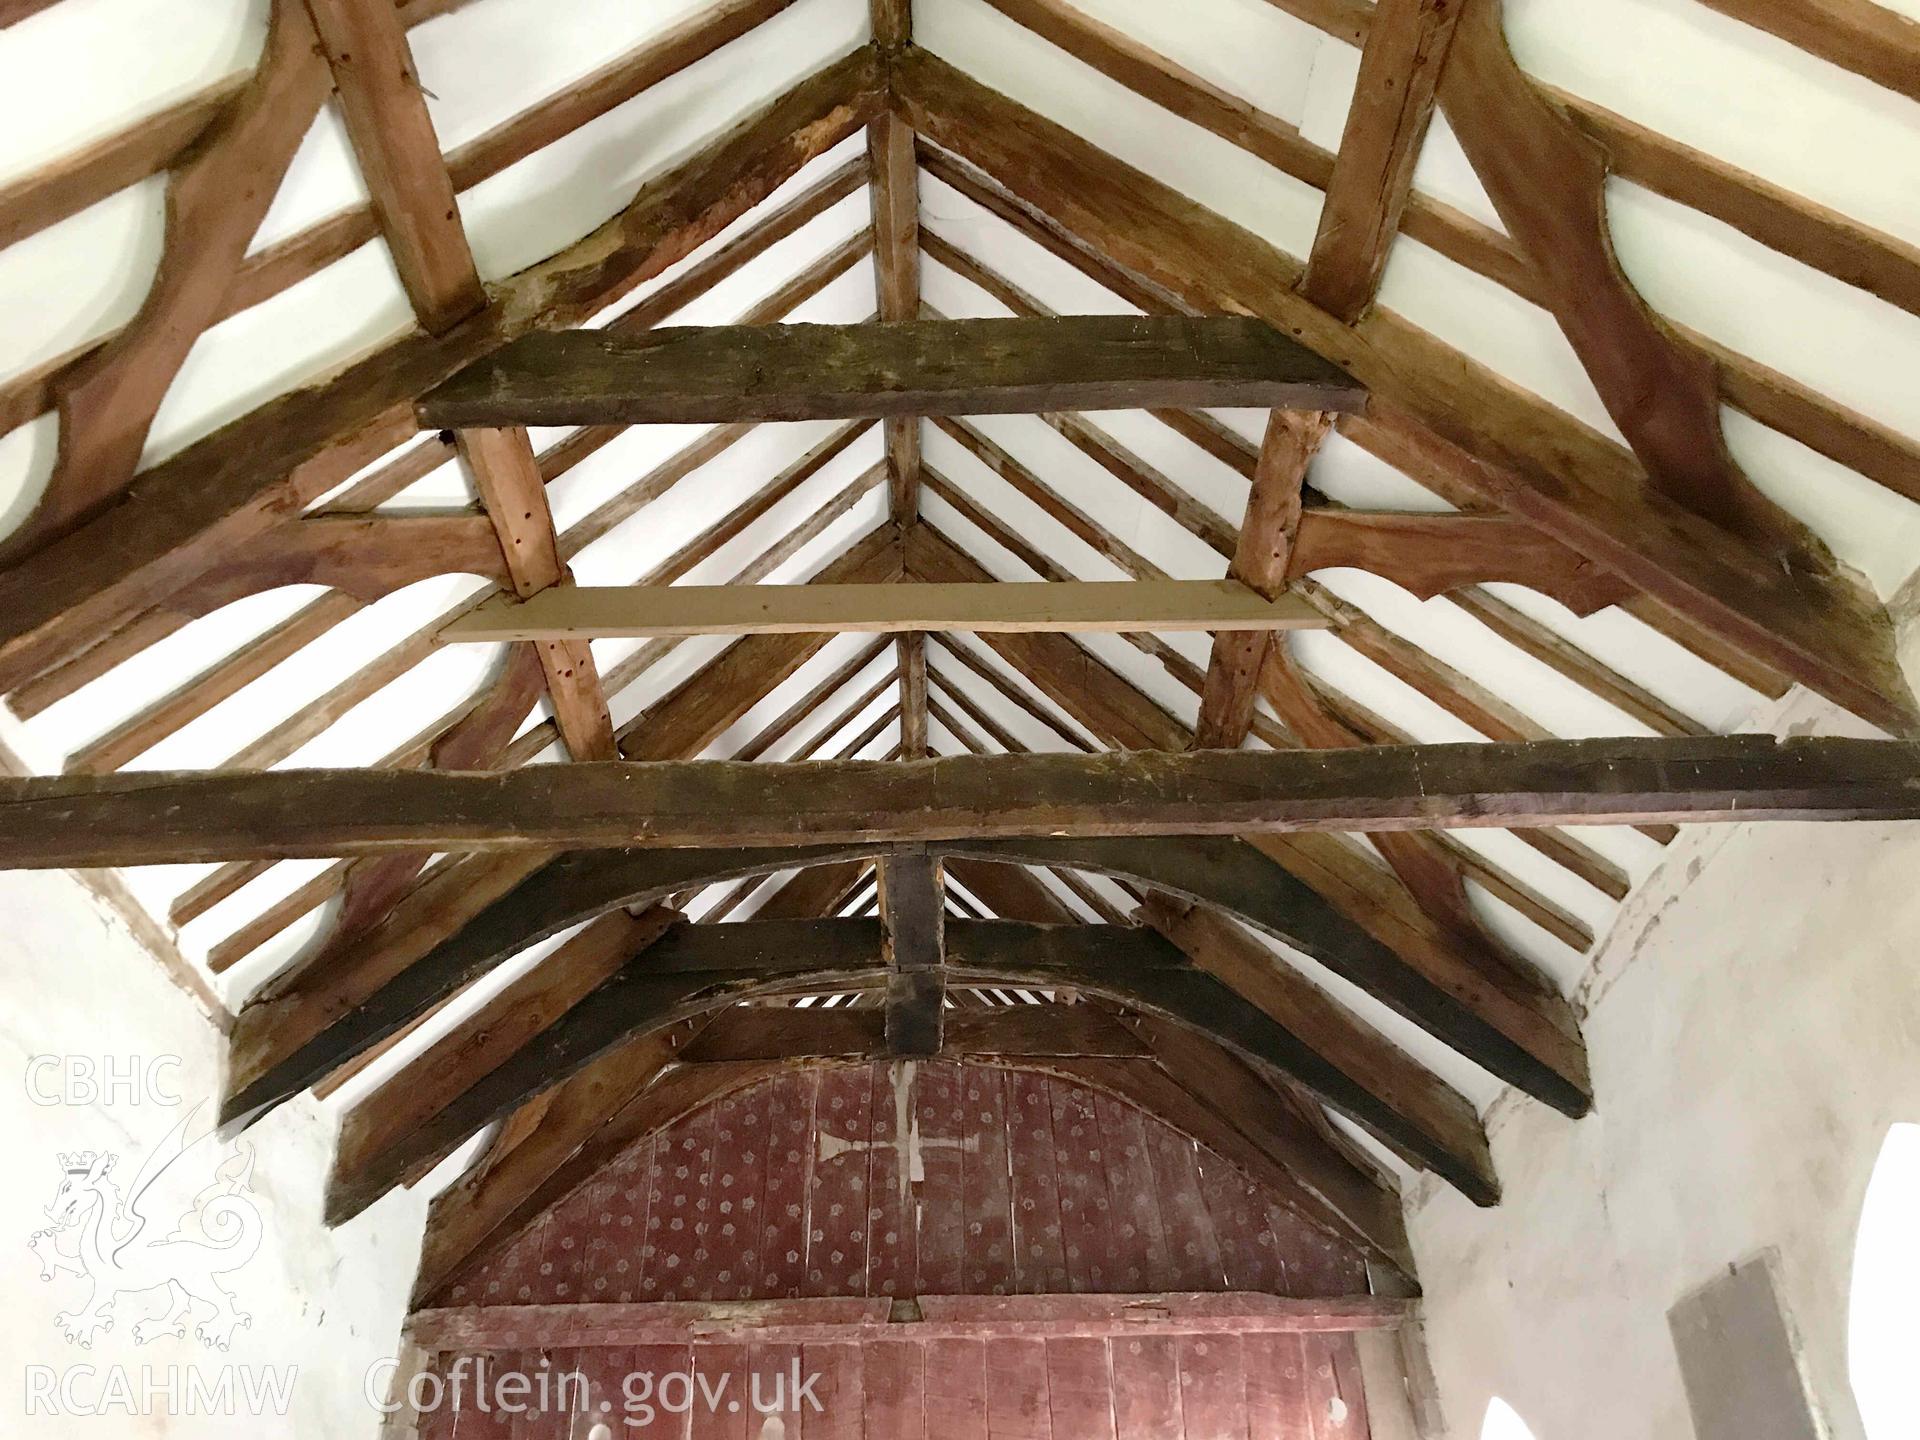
(1502, 1424)
(1883, 1326)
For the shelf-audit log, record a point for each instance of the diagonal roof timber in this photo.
(296, 1006)
(1454, 1148)
(288, 452)
(1537, 462)
(68, 187)
(1816, 236)
(1528, 1038)
(568, 891)
(662, 987)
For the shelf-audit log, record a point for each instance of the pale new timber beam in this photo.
(1262, 561)
(1533, 460)
(1372, 178)
(248, 475)
(159, 817)
(912, 910)
(399, 157)
(922, 367)
(1100, 606)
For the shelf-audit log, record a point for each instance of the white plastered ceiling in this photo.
(85, 68)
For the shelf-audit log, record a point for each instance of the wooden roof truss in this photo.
(541, 955)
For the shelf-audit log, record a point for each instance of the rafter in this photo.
(1871, 40)
(1811, 233)
(245, 476)
(1536, 462)
(215, 202)
(275, 268)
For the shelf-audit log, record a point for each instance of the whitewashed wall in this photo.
(1755, 1032)
(328, 1302)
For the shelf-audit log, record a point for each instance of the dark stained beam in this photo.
(786, 1032)
(1534, 461)
(913, 910)
(564, 892)
(1528, 1039)
(979, 1320)
(65, 821)
(720, 373)
(1166, 984)
(655, 991)
(245, 477)
(691, 970)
